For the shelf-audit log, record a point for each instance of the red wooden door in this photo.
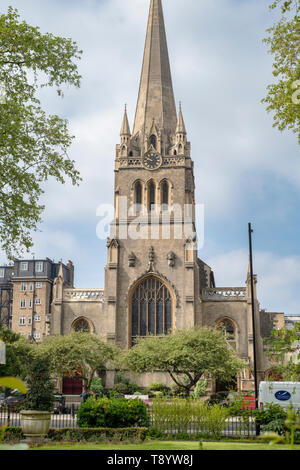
(72, 386)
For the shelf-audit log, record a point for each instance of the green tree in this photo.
(19, 353)
(187, 356)
(33, 145)
(40, 395)
(283, 351)
(97, 387)
(80, 354)
(283, 97)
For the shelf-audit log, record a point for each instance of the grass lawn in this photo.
(171, 445)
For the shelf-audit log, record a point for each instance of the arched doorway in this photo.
(151, 308)
(72, 385)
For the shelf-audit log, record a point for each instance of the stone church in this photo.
(154, 281)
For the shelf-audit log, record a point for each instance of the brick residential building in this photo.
(26, 291)
(6, 295)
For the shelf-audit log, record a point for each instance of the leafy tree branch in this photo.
(33, 145)
(283, 97)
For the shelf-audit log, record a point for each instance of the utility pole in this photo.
(253, 319)
(253, 314)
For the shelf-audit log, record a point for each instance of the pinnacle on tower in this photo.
(156, 97)
(180, 128)
(125, 129)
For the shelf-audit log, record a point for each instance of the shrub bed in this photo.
(14, 434)
(271, 418)
(131, 435)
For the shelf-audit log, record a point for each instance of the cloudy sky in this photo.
(245, 170)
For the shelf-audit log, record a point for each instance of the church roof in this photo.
(156, 97)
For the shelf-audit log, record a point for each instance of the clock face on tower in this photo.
(152, 161)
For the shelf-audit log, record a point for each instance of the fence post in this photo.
(8, 416)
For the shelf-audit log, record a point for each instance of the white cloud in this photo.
(278, 277)
(220, 71)
(54, 241)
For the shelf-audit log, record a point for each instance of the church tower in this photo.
(153, 276)
(154, 281)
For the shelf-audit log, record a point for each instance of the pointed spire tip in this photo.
(125, 129)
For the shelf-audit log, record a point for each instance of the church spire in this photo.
(156, 97)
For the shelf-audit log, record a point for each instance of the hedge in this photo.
(134, 435)
(112, 413)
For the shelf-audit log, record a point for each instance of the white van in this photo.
(280, 393)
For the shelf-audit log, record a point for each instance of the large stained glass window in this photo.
(151, 309)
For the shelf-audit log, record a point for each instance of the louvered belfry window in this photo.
(151, 309)
(153, 141)
(165, 195)
(138, 194)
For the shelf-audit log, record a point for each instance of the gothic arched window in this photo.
(153, 141)
(138, 194)
(151, 196)
(165, 195)
(81, 325)
(228, 328)
(151, 309)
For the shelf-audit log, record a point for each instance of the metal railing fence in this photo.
(68, 419)
(235, 426)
